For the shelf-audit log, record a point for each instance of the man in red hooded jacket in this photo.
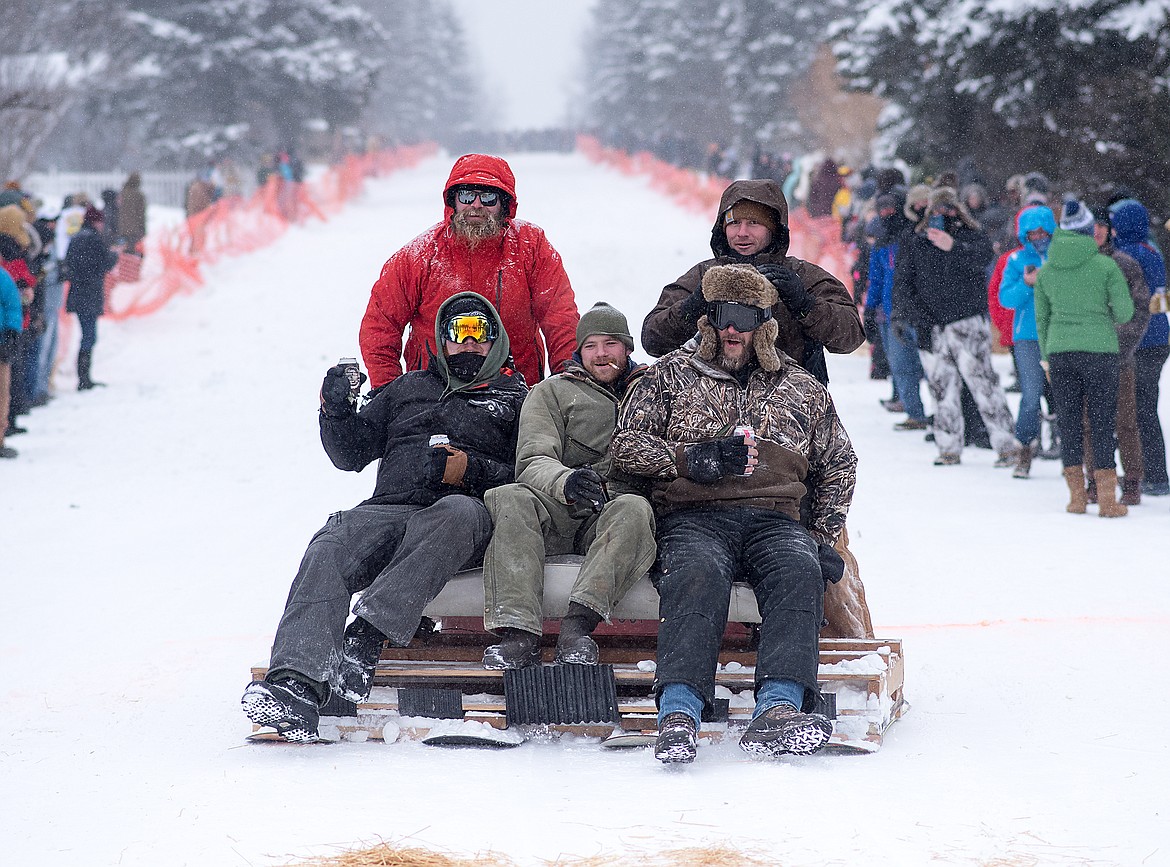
(479, 247)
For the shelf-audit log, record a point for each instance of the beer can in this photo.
(747, 432)
(353, 374)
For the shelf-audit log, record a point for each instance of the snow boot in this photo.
(289, 705)
(677, 739)
(1024, 461)
(84, 364)
(574, 645)
(1107, 505)
(1078, 497)
(783, 729)
(519, 649)
(1131, 491)
(359, 659)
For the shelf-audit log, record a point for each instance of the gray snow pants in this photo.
(618, 546)
(961, 352)
(401, 556)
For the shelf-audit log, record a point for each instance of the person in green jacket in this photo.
(567, 499)
(1081, 298)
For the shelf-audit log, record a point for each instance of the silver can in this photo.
(353, 374)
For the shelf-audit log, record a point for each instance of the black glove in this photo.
(335, 393)
(901, 329)
(789, 287)
(710, 461)
(869, 324)
(694, 307)
(584, 485)
(832, 565)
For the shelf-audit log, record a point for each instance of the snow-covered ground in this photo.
(151, 529)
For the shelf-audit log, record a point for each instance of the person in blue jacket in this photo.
(901, 348)
(1036, 226)
(1131, 231)
(11, 325)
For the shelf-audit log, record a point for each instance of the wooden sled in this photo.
(440, 674)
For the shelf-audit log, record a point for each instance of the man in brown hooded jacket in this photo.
(813, 310)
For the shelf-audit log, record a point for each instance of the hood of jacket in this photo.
(762, 192)
(1035, 217)
(498, 356)
(481, 170)
(1070, 250)
(1130, 220)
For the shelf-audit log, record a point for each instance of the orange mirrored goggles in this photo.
(478, 327)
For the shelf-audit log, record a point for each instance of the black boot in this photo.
(518, 649)
(574, 646)
(84, 362)
(291, 705)
(359, 659)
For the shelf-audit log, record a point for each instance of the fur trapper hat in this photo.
(744, 285)
(947, 197)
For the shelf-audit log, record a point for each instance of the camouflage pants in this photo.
(961, 353)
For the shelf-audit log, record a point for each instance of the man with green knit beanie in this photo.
(567, 499)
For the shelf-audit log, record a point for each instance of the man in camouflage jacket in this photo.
(728, 505)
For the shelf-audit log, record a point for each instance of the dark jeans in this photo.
(88, 323)
(1148, 365)
(1085, 382)
(401, 556)
(700, 553)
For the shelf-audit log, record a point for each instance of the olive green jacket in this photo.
(567, 422)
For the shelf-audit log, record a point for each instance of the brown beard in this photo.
(735, 366)
(476, 233)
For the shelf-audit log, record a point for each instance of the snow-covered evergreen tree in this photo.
(201, 75)
(426, 88)
(700, 70)
(1079, 90)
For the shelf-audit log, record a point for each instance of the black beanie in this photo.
(466, 304)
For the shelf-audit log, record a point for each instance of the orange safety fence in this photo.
(814, 239)
(236, 225)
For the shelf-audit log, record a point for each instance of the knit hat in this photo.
(746, 209)
(467, 304)
(744, 285)
(1076, 217)
(603, 318)
(92, 216)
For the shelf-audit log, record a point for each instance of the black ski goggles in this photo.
(467, 195)
(745, 317)
(478, 327)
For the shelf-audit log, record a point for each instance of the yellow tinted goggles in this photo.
(478, 327)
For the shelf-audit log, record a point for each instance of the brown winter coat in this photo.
(683, 400)
(833, 321)
(132, 211)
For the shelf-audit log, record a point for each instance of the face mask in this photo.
(1041, 245)
(465, 365)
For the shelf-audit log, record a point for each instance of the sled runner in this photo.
(438, 685)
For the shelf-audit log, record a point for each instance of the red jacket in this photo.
(18, 270)
(520, 273)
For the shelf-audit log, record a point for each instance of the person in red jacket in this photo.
(479, 247)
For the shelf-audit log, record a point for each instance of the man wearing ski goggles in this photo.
(743, 317)
(475, 326)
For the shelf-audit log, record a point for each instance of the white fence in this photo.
(160, 188)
